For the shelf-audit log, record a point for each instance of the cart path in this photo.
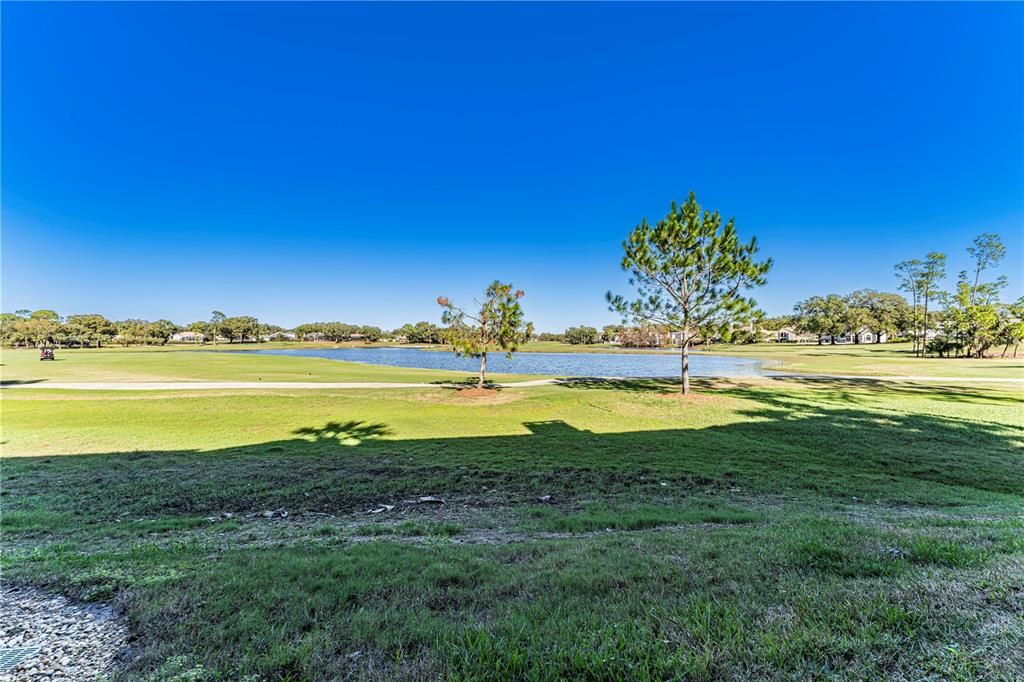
(246, 385)
(333, 385)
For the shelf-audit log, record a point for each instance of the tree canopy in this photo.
(497, 323)
(579, 336)
(691, 272)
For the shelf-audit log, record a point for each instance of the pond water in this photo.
(633, 364)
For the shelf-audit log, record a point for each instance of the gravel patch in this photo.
(75, 641)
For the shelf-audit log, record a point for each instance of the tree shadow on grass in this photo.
(847, 389)
(783, 445)
(351, 432)
(639, 385)
(469, 383)
(864, 390)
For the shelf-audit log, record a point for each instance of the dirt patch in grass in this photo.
(477, 392)
(470, 396)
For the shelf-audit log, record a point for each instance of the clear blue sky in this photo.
(351, 162)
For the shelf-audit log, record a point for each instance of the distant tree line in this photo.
(48, 328)
(420, 332)
(337, 331)
(968, 321)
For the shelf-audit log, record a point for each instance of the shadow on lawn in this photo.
(469, 383)
(350, 433)
(845, 390)
(783, 446)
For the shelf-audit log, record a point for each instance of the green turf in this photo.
(760, 530)
(885, 359)
(177, 364)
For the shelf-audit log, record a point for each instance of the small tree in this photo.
(933, 271)
(987, 250)
(217, 327)
(688, 269)
(909, 275)
(498, 324)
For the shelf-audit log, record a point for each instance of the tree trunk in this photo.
(686, 367)
(914, 322)
(924, 324)
(483, 370)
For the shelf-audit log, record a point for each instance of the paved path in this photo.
(228, 385)
(304, 385)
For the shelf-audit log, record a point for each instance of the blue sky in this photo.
(353, 161)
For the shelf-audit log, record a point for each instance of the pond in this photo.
(632, 364)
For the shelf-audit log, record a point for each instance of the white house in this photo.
(791, 335)
(279, 336)
(188, 337)
(866, 336)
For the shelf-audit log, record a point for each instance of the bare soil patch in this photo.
(470, 396)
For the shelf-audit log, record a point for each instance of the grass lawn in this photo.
(892, 359)
(758, 530)
(178, 364)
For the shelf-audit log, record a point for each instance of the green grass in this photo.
(596, 517)
(760, 530)
(886, 359)
(191, 364)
